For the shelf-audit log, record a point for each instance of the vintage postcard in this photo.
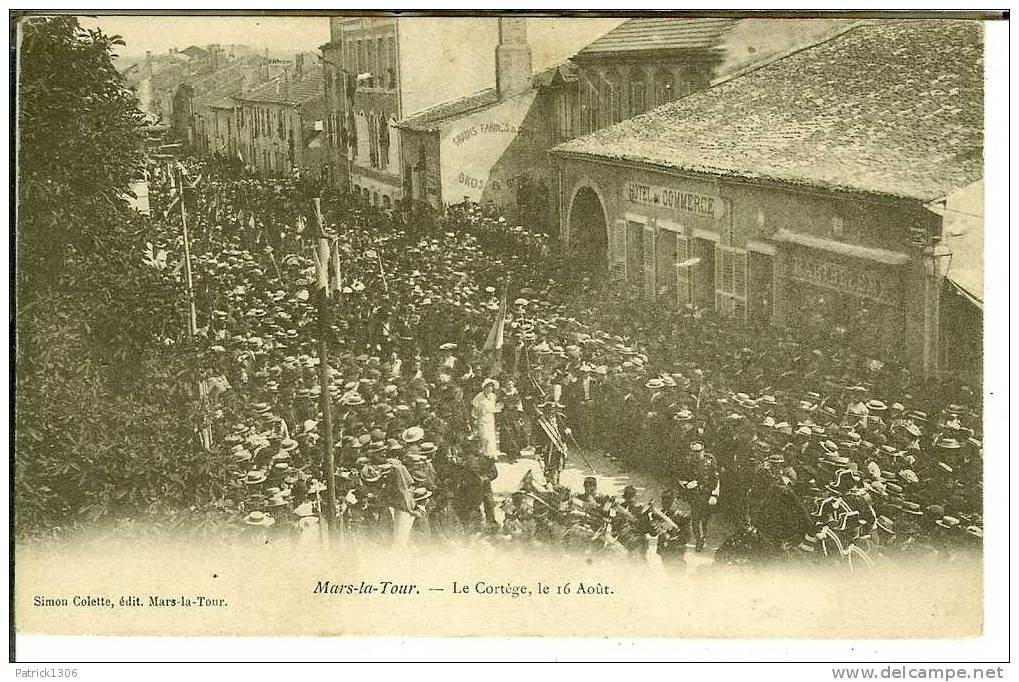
(499, 325)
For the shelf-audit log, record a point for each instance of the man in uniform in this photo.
(672, 527)
(702, 492)
(631, 523)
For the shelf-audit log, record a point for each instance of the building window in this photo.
(373, 141)
(592, 108)
(731, 281)
(393, 66)
(638, 90)
(563, 122)
(362, 138)
(384, 143)
(605, 105)
(618, 96)
(664, 90)
(672, 282)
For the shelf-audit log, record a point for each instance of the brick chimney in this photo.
(512, 58)
(298, 65)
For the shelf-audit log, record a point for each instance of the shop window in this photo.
(665, 269)
(731, 282)
(673, 283)
(761, 291)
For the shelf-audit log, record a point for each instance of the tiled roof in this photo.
(664, 33)
(195, 52)
(433, 117)
(216, 95)
(890, 107)
(279, 90)
(211, 79)
(223, 103)
(566, 70)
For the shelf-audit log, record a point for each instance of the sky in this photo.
(159, 33)
(549, 37)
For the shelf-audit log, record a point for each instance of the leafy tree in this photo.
(105, 407)
(78, 142)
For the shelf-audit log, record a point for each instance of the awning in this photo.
(841, 248)
(957, 288)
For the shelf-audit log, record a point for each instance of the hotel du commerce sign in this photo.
(701, 205)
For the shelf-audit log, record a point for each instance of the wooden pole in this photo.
(328, 465)
(192, 313)
(205, 432)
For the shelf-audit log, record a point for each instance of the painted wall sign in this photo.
(691, 203)
(839, 276)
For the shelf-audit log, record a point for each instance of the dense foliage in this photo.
(104, 424)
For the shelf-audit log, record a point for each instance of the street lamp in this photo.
(937, 260)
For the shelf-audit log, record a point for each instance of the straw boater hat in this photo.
(254, 476)
(257, 518)
(412, 434)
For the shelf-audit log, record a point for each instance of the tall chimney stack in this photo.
(512, 58)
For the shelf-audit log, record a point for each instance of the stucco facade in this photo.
(765, 252)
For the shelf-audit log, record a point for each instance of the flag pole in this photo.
(382, 270)
(328, 466)
(205, 432)
(192, 313)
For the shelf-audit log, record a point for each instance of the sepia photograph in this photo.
(342, 324)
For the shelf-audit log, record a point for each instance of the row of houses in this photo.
(814, 175)
(802, 173)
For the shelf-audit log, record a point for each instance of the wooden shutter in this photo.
(649, 262)
(682, 274)
(730, 281)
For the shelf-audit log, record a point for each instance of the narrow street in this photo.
(612, 478)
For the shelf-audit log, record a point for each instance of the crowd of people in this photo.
(799, 446)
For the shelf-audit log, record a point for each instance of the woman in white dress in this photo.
(484, 408)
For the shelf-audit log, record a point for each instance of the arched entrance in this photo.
(589, 236)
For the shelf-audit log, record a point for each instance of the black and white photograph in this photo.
(465, 324)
